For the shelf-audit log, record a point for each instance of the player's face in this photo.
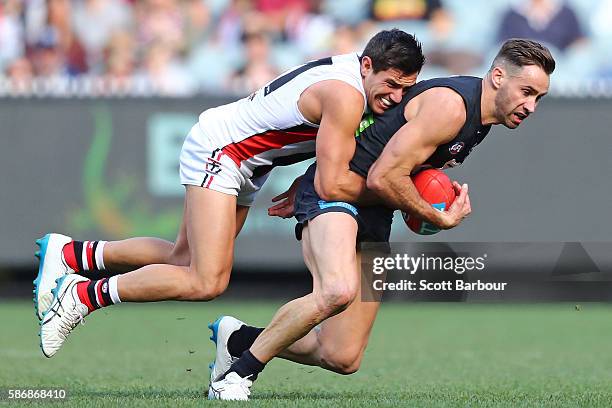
(385, 88)
(519, 93)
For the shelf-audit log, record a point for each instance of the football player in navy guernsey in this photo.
(226, 158)
(437, 124)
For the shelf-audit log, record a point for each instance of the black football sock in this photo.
(242, 339)
(247, 366)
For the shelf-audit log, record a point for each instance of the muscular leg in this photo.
(132, 253)
(339, 342)
(332, 261)
(210, 228)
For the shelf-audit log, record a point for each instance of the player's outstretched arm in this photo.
(435, 117)
(341, 111)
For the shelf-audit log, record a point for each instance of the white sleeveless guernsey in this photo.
(233, 147)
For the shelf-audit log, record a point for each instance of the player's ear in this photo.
(497, 76)
(366, 65)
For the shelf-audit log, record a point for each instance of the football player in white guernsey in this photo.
(330, 327)
(314, 108)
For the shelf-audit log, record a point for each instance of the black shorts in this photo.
(374, 222)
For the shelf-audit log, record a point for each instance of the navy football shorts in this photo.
(374, 222)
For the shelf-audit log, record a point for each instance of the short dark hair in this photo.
(395, 49)
(520, 52)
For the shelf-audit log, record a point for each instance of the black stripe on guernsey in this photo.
(282, 161)
(78, 253)
(299, 128)
(282, 80)
(106, 297)
(91, 292)
(94, 265)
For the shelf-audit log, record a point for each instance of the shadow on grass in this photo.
(158, 394)
(148, 393)
(310, 395)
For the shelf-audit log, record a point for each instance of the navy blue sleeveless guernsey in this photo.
(376, 131)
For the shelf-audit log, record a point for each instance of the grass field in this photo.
(419, 355)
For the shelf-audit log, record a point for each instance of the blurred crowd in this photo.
(186, 47)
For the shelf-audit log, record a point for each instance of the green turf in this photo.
(419, 355)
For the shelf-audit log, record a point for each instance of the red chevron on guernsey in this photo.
(272, 139)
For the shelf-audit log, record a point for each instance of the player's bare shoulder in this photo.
(443, 106)
(330, 93)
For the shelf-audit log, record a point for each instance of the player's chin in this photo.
(383, 108)
(378, 109)
(510, 124)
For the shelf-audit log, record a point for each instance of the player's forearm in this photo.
(357, 193)
(348, 187)
(335, 184)
(400, 193)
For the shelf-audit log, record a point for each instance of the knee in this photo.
(207, 285)
(204, 291)
(344, 362)
(334, 298)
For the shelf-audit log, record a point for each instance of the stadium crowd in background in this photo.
(185, 47)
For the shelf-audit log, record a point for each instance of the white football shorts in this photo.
(206, 165)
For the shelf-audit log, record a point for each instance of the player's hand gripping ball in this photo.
(437, 189)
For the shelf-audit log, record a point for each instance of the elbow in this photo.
(330, 193)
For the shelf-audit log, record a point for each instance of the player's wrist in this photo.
(444, 220)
